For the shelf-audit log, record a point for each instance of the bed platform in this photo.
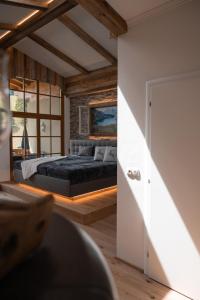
(75, 175)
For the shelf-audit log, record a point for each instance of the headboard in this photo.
(74, 144)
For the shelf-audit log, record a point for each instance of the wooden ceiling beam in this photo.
(69, 23)
(97, 80)
(57, 53)
(7, 26)
(26, 3)
(37, 21)
(105, 14)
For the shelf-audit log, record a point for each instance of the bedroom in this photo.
(85, 78)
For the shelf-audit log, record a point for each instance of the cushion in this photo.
(110, 154)
(85, 150)
(99, 152)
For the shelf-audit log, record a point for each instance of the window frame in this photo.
(39, 116)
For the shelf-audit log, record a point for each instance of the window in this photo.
(37, 121)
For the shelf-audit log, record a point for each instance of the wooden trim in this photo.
(105, 14)
(7, 26)
(38, 5)
(36, 21)
(69, 23)
(57, 53)
(93, 91)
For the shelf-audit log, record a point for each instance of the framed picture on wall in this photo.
(103, 120)
(84, 120)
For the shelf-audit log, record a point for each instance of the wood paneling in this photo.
(69, 23)
(36, 21)
(105, 14)
(24, 66)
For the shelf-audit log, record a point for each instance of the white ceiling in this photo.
(66, 41)
(130, 9)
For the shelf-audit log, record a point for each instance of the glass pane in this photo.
(57, 154)
(56, 145)
(55, 128)
(32, 149)
(55, 91)
(30, 85)
(17, 84)
(44, 88)
(17, 101)
(17, 146)
(44, 104)
(55, 106)
(17, 126)
(45, 146)
(45, 127)
(30, 102)
(31, 126)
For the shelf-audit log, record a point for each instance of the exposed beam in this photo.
(69, 23)
(31, 4)
(37, 21)
(96, 74)
(105, 14)
(92, 91)
(57, 53)
(7, 26)
(94, 81)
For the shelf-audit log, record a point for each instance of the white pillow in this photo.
(110, 154)
(99, 152)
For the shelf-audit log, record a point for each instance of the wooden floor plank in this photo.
(131, 283)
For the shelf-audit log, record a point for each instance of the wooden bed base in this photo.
(64, 187)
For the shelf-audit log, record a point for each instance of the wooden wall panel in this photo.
(22, 65)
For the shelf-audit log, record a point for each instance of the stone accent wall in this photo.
(84, 101)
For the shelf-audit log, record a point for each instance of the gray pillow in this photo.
(110, 154)
(99, 152)
(85, 150)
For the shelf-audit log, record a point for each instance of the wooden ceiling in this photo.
(44, 12)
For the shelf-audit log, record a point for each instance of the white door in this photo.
(174, 186)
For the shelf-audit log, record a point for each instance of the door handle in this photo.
(134, 174)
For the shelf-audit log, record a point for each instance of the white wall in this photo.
(67, 124)
(160, 46)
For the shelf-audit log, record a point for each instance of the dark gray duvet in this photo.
(76, 169)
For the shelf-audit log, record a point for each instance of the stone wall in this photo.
(85, 101)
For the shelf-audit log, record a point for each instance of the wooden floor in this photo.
(131, 283)
(85, 209)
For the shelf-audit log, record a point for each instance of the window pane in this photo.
(31, 126)
(32, 149)
(44, 88)
(17, 101)
(55, 106)
(56, 145)
(17, 146)
(17, 126)
(57, 154)
(44, 104)
(55, 128)
(30, 102)
(17, 84)
(30, 85)
(45, 145)
(45, 127)
(55, 91)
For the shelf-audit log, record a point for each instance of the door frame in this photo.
(147, 195)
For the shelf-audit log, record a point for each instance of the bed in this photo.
(73, 175)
